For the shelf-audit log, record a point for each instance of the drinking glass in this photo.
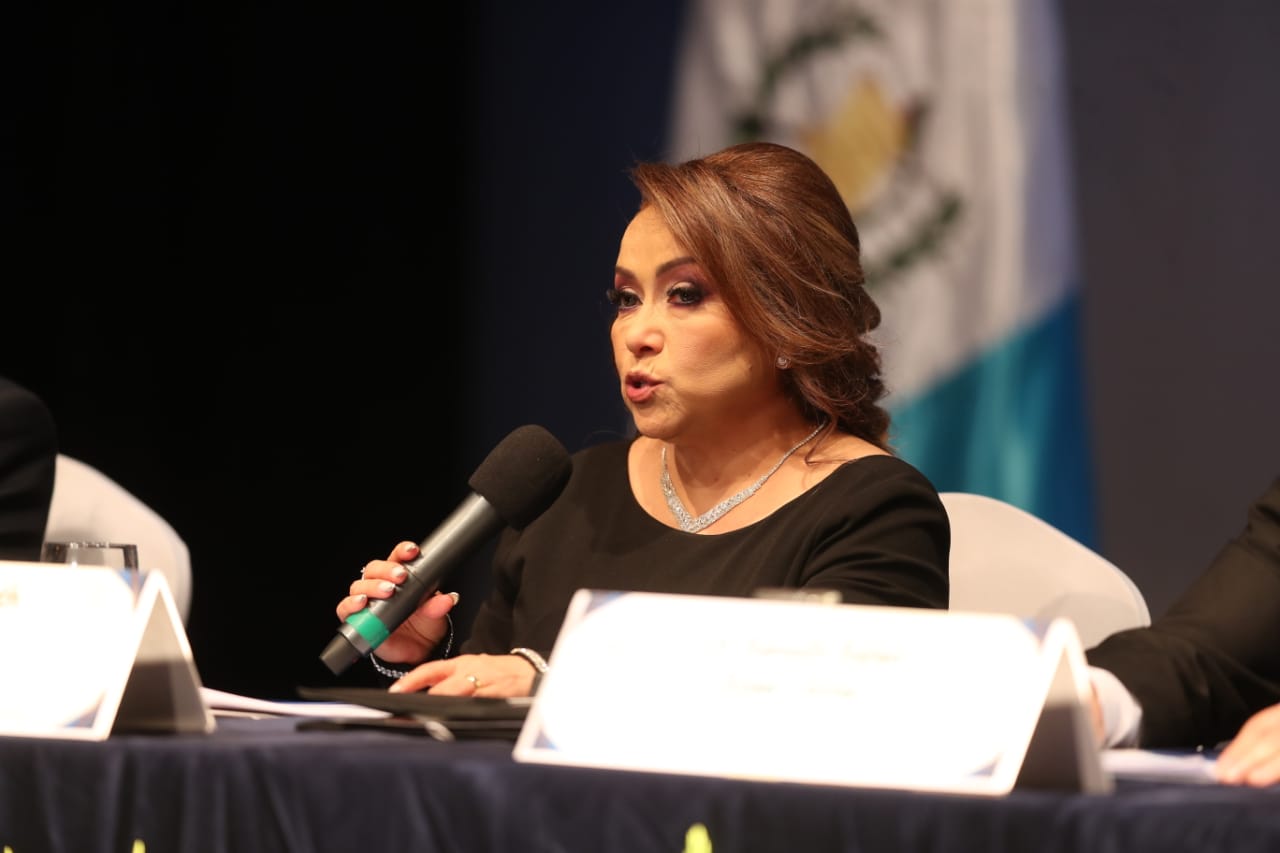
(121, 556)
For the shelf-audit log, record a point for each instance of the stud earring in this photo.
(783, 362)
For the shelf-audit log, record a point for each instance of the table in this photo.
(262, 785)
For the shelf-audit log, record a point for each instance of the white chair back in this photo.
(1006, 560)
(89, 505)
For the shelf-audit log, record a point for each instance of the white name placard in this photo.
(85, 654)
(830, 694)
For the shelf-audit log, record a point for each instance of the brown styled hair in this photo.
(771, 230)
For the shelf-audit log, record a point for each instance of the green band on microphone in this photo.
(369, 627)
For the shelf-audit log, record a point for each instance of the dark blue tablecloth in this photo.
(261, 785)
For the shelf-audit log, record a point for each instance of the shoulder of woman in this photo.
(887, 470)
(842, 447)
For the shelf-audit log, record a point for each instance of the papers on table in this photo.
(1161, 766)
(224, 704)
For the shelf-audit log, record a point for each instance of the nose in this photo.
(640, 331)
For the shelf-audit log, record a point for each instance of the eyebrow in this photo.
(662, 268)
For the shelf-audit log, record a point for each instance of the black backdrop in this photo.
(229, 228)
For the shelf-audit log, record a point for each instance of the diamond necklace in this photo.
(687, 522)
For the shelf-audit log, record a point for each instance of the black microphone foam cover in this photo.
(523, 475)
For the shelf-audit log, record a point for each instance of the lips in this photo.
(639, 387)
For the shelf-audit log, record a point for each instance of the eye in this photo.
(621, 299)
(685, 293)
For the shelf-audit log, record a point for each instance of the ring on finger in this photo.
(475, 682)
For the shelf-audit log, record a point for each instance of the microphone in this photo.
(515, 484)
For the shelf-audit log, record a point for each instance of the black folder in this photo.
(441, 717)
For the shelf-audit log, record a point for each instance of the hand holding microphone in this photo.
(422, 631)
(515, 484)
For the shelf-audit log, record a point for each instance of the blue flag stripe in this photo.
(1012, 425)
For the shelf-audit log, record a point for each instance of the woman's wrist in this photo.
(537, 661)
(385, 670)
(396, 673)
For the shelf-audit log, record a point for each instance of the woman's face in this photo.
(685, 364)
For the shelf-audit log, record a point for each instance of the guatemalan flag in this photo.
(943, 125)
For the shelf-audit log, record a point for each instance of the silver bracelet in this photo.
(401, 673)
(386, 670)
(536, 660)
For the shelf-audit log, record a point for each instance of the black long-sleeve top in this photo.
(1213, 660)
(874, 530)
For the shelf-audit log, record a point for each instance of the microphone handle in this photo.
(469, 526)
